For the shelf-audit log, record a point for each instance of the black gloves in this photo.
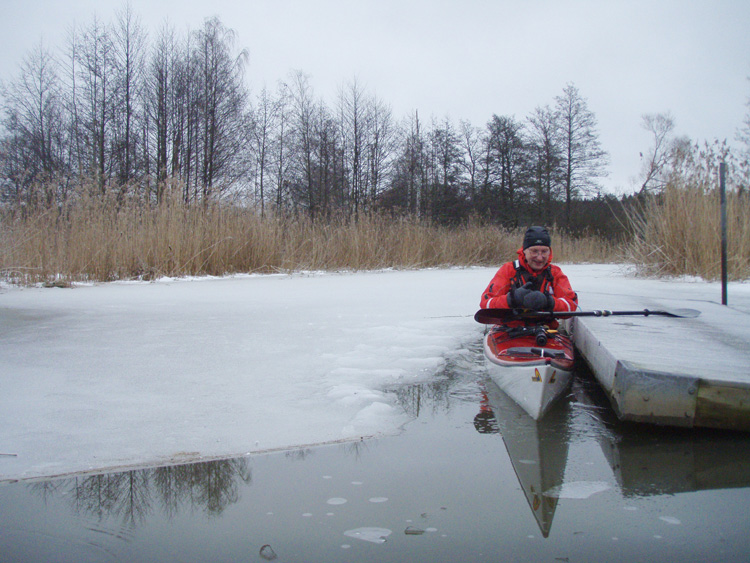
(525, 298)
(517, 295)
(538, 301)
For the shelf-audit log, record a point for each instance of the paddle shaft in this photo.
(493, 316)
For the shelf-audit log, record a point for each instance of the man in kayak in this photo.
(532, 281)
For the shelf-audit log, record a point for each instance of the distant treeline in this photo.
(131, 113)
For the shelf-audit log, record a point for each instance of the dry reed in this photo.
(679, 233)
(95, 239)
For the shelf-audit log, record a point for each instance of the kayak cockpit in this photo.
(529, 345)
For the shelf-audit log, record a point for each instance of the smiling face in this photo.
(537, 257)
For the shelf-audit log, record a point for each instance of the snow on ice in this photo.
(116, 375)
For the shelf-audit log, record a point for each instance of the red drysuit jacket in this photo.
(512, 274)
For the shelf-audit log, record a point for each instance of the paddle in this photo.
(495, 316)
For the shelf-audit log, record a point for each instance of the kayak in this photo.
(532, 364)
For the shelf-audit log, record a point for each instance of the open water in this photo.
(471, 478)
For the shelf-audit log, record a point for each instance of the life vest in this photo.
(541, 281)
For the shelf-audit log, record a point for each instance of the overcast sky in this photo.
(470, 59)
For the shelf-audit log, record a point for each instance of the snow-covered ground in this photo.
(132, 374)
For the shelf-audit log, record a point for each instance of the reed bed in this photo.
(678, 233)
(98, 239)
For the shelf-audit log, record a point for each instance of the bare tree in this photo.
(95, 75)
(406, 190)
(508, 146)
(547, 178)
(353, 106)
(265, 117)
(381, 144)
(367, 143)
(129, 41)
(75, 155)
(129, 113)
(221, 106)
(282, 161)
(660, 155)
(329, 175)
(483, 201)
(583, 158)
(445, 171)
(303, 125)
(416, 169)
(159, 87)
(35, 145)
(471, 143)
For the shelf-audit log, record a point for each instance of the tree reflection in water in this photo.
(130, 496)
(445, 386)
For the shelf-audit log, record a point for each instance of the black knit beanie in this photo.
(536, 236)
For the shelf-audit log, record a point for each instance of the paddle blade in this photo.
(499, 316)
(680, 313)
(491, 316)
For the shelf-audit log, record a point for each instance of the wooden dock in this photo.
(668, 371)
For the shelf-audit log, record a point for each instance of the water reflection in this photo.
(649, 460)
(538, 449)
(455, 382)
(667, 462)
(645, 460)
(132, 496)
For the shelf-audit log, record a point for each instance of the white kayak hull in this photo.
(535, 384)
(535, 389)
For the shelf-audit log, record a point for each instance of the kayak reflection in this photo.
(538, 449)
